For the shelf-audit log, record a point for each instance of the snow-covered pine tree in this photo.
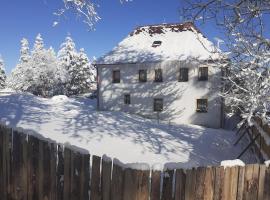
(2, 74)
(83, 75)
(43, 67)
(25, 55)
(78, 75)
(17, 78)
(39, 44)
(68, 58)
(35, 73)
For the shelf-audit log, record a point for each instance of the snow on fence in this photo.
(35, 169)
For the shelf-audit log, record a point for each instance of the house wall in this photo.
(179, 97)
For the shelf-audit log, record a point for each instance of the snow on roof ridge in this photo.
(159, 28)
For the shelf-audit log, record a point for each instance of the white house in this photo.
(163, 71)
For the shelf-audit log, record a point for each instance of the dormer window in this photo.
(156, 43)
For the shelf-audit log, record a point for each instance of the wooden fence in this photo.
(34, 169)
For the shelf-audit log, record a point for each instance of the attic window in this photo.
(156, 43)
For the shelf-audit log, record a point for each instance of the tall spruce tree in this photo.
(2, 74)
(17, 78)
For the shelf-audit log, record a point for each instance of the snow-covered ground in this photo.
(129, 138)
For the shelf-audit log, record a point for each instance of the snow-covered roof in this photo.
(163, 42)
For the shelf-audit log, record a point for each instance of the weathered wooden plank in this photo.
(53, 176)
(266, 194)
(199, 184)
(24, 170)
(155, 185)
(251, 182)
(230, 183)
(167, 185)
(130, 184)
(106, 179)
(143, 185)
(255, 181)
(95, 179)
(180, 180)
(234, 171)
(18, 191)
(5, 134)
(117, 182)
(46, 171)
(85, 177)
(60, 173)
(219, 182)
(261, 182)
(32, 171)
(67, 174)
(209, 183)
(41, 169)
(5, 155)
(2, 155)
(8, 148)
(76, 160)
(190, 184)
(241, 182)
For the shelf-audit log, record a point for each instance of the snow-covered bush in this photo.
(2, 74)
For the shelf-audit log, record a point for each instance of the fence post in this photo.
(60, 173)
(180, 179)
(167, 185)
(53, 175)
(199, 183)
(18, 164)
(95, 179)
(117, 182)
(2, 178)
(67, 173)
(266, 194)
(85, 177)
(190, 184)
(209, 183)
(130, 183)
(155, 185)
(106, 179)
(251, 182)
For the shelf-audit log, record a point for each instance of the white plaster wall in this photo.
(179, 97)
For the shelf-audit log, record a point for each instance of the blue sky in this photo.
(27, 18)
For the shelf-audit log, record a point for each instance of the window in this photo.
(156, 43)
(183, 76)
(158, 75)
(158, 105)
(142, 75)
(203, 73)
(116, 76)
(127, 99)
(202, 105)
